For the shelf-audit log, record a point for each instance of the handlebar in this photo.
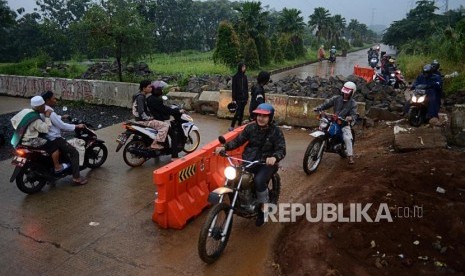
(231, 159)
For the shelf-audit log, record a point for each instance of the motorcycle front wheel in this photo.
(274, 188)
(192, 142)
(133, 159)
(95, 156)
(28, 182)
(312, 157)
(415, 117)
(211, 240)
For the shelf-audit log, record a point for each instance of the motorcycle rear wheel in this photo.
(132, 159)
(311, 158)
(210, 246)
(415, 117)
(192, 142)
(95, 156)
(27, 182)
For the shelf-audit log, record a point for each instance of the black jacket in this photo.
(263, 142)
(257, 97)
(240, 86)
(159, 110)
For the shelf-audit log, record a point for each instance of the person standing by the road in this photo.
(321, 53)
(258, 93)
(240, 94)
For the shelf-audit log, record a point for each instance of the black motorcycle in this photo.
(34, 167)
(328, 138)
(332, 57)
(236, 197)
(373, 62)
(418, 106)
(138, 149)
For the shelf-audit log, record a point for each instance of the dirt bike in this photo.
(34, 167)
(328, 138)
(236, 197)
(137, 151)
(418, 106)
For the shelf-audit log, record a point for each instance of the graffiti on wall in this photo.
(74, 90)
(26, 87)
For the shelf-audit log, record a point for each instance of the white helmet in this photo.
(349, 88)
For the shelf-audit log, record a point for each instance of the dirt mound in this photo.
(426, 235)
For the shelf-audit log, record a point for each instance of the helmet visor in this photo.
(346, 90)
(262, 111)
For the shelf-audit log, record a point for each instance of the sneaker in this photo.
(64, 166)
(260, 220)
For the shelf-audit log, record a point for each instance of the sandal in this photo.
(80, 182)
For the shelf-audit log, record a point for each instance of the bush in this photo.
(227, 45)
(251, 55)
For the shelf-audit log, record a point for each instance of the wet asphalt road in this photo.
(105, 227)
(343, 66)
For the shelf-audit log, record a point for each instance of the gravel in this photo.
(98, 116)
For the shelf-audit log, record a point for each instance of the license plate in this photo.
(122, 138)
(18, 161)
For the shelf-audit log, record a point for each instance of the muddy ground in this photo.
(430, 242)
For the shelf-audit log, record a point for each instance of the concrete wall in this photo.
(96, 92)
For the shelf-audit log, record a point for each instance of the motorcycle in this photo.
(241, 200)
(332, 57)
(396, 79)
(328, 138)
(374, 61)
(418, 106)
(137, 151)
(34, 167)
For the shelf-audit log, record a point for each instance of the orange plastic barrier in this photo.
(365, 72)
(183, 185)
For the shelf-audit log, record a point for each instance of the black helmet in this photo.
(435, 65)
(427, 69)
(232, 106)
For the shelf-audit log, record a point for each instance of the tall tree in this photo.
(117, 26)
(319, 21)
(7, 24)
(227, 45)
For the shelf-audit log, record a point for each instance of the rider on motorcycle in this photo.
(265, 142)
(162, 112)
(344, 106)
(54, 134)
(333, 50)
(433, 92)
(140, 112)
(29, 125)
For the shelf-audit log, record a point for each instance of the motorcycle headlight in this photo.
(414, 99)
(392, 75)
(230, 173)
(421, 99)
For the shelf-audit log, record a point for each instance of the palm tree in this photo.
(252, 20)
(319, 21)
(290, 21)
(339, 25)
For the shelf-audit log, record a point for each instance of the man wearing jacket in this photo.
(266, 143)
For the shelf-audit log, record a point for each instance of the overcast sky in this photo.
(365, 11)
